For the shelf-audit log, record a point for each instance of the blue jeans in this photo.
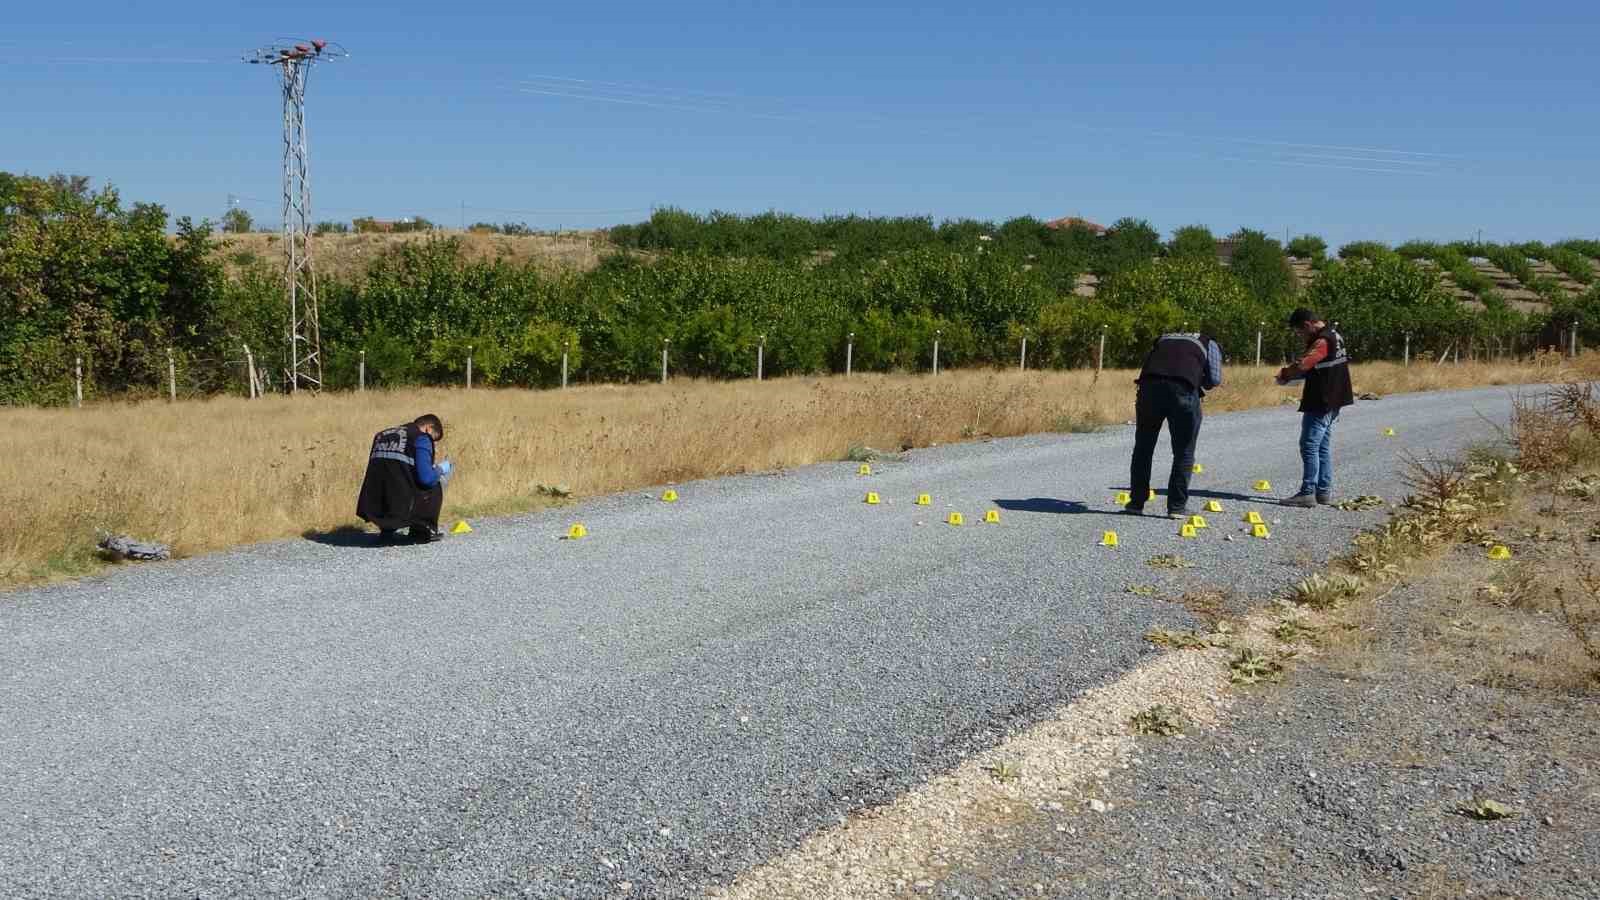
(1316, 452)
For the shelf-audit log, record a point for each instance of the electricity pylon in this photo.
(293, 62)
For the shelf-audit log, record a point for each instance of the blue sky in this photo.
(1355, 121)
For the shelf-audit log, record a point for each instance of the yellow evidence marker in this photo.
(1263, 485)
(1253, 518)
(954, 519)
(872, 498)
(1213, 506)
(1199, 469)
(1260, 530)
(864, 470)
(669, 496)
(461, 527)
(992, 517)
(1388, 432)
(1123, 498)
(1499, 551)
(1198, 521)
(1188, 531)
(924, 500)
(1109, 539)
(1152, 495)
(577, 531)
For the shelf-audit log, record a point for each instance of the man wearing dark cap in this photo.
(1177, 372)
(1325, 367)
(404, 488)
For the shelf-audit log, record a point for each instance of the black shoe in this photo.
(1133, 510)
(425, 535)
(1325, 499)
(1300, 501)
(1177, 512)
(388, 536)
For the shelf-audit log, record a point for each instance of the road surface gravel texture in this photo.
(684, 693)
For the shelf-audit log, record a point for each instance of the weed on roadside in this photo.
(1207, 605)
(1581, 614)
(1168, 561)
(1004, 770)
(1187, 639)
(1160, 719)
(1251, 666)
(1295, 630)
(1325, 591)
(1484, 810)
(1581, 487)
(1356, 504)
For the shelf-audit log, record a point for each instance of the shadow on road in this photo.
(343, 536)
(1204, 494)
(1048, 505)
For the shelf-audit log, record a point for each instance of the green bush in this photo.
(1376, 302)
(1195, 241)
(1365, 250)
(1573, 264)
(1308, 246)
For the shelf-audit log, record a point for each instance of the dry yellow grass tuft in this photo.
(210, 474)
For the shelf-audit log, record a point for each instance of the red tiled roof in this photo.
(1071, 221)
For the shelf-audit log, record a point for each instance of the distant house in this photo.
(1075, 222)
(367, 224)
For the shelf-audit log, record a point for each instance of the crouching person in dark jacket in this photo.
(404, 488)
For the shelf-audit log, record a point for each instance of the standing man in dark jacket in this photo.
(1326, 370)
(1177, 372)
(403, 487)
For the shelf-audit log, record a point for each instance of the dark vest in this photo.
(389, 491)
(1178, 357)
(1328, 385)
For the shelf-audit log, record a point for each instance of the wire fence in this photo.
(244, 372)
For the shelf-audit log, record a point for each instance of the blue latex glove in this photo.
(445, 469)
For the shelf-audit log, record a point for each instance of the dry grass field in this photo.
(211, 474)
(346, 255)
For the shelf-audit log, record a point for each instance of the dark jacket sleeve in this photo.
(427, 475)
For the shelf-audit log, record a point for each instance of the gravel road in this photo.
(682, 694)
(1344, 781)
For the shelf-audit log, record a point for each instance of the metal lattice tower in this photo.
(294, 61)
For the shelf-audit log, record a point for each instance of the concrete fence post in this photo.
(1100, 357)
(1261, 327)
(666, 344)
(761, 357)
(362, 372)
(1408, 348)
(77, 379)
(172, 378)
(849, 352)
(469, 367)
(1022, 364)
(250, 373)
(936, 335)
(565, 352)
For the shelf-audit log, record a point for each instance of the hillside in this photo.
(341, 255)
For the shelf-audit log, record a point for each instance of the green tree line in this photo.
(83, 276)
